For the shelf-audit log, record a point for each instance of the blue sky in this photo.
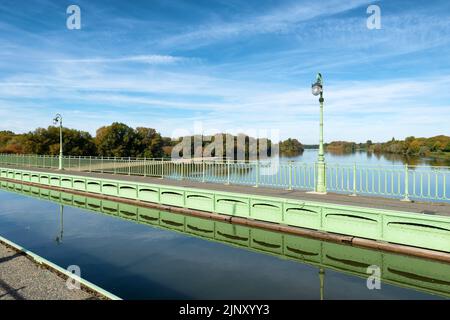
(228, 65)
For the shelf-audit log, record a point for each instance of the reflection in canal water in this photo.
(370, 158)
(329, 260)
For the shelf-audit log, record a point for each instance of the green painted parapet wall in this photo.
(419, 230)
(416, 273)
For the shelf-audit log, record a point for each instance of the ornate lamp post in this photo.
(321, 187)
(58, 119)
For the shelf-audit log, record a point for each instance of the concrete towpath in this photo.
(23, 279)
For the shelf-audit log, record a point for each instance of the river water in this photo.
(366, 158)
(139, 253)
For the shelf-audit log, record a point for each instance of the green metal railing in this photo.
(399, 181)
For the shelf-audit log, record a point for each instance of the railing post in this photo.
(101, 165)
(79, 163)
(406, 198)
(129, 166)
(145, 166)
(114, 166)
(203, 170)
(90, 163)
(228, 171)
(354, 180)
(182, 170)
(162, 168)
(444, 191)
(257, 174)
(290, 175)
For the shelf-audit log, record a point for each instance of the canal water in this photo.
(142, 253)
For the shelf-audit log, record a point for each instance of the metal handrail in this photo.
(399, 181)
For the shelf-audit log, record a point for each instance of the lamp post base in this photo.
(317, 192)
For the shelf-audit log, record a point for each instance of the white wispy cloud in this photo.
(152, 59)
(279, 21)
(225, 105)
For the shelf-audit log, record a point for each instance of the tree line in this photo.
(121, 140)
(411, 146)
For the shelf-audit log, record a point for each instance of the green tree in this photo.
(46, 141)
(291, 147)
(150, 143)
(117, 140)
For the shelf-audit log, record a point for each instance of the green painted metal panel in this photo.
(3, 173)
(232, 233)
(417, 232)
(199, 201)
(266, 210)
(66, 183)
(302, 248)
(35, 177)
(55, 181)
(172, 197)
(93, 186)
(200, 227)
(232, 205)
(302, 215)
(148, 194)
(110, 189)
(26, 177)
(128, 191)
(267, 241)
(44, 179)
(79, 184)
(351, 222)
